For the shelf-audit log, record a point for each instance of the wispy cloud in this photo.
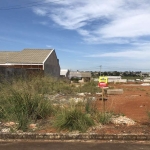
(125, 18)
(41, 11)
(71, 51)
(106, 22)
(139, 52)
(125, 54)
(49, 46)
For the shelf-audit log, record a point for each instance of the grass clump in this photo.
(103, 117)
(73, 119)
(90, 87)
(25, 107)
(99, 117)
(27, 100)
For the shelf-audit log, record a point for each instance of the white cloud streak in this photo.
(126, 18)
(142, 52)
(105, 22)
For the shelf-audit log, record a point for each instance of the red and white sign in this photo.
(102, 84)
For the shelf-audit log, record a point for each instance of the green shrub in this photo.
(90, 107)
(103, 118)
(73, 119)
(23, 101)
(24, 107)
(90, 87)
(75, 79)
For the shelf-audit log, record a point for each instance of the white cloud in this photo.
(71, 51)
(73, 13)
(116, 21)
(129, 54)
(49, 46)
(139, 52)
(41, 11)
(74, 23)
(83, 32)
(131, 26)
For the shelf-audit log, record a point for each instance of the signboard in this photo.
(103, 81)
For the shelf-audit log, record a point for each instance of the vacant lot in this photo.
(49, 104)
(133, 103)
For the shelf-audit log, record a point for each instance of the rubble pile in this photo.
(122, 120)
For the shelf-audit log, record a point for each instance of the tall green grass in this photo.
(24, 107)
(73, 119)
(90, 87)
(25, 101)
(80, 116)
(99, 117)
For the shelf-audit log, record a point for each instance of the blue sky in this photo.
(87, 34)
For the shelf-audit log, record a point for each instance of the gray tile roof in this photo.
(26, 56)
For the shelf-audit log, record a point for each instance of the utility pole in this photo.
(100, 70)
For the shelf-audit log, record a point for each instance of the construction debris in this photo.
(122, 120)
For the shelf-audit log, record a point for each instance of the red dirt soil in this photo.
(134, 103)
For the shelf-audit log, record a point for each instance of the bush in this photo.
(103, 117)
(73, 119)
(75, 79)
(24, 101)
(24, 107)
(90, 87)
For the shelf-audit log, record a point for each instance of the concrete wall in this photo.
(51, 65)
(116, 80)
(146, 80)
(9, 73)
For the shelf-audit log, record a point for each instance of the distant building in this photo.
(81, 75)
(146, 79)
(145, 74)
(64, 73)
(113, 78)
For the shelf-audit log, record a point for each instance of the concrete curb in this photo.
(69, 136)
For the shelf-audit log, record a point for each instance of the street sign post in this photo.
(103, 82)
